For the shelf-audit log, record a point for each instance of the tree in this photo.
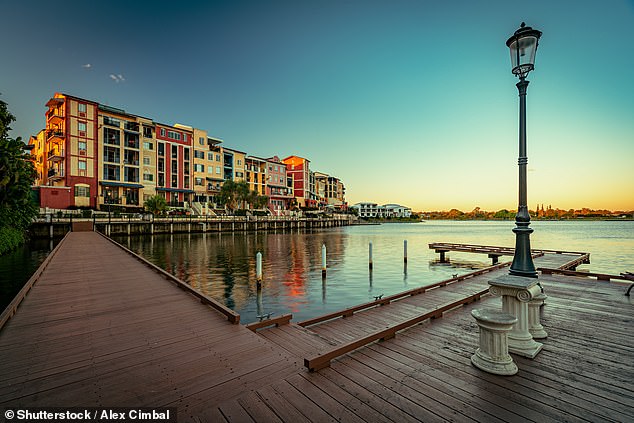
(261, 201)
(17, 175)
(156, 205)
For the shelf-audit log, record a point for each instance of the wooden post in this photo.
(258, 269)
(370, 256)
(405, 251)
(323, 261)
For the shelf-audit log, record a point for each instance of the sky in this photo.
(409, 102)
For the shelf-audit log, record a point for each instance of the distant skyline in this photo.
(408, 102)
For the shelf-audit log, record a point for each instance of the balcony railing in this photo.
(54, 133)
(56, 155)
(111, 122)
(54, 174)
(54, 116)
(131, 126)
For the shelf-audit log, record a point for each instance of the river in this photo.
(223, 265)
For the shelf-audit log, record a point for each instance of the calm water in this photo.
(223, 265)
(17, 267)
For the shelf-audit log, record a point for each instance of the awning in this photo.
(188, 191)
(119, 184)
(211, 178)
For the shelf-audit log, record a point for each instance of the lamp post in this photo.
(523, 45)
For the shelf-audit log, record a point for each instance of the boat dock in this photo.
(108, 329)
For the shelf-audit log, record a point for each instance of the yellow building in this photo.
(256, 175)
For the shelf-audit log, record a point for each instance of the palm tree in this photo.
(156, 205)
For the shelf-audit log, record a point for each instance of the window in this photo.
(199, 168)
(162, 132)
(239, 162)
(174, 152)
(111, 121)
(81, 191)
(161, 149)
(147, 132)
(81, 165)
(199, 154)
(161, 180)
(217, 157)
(174, 168)
(172, 134)
(201, 140)
(111, 136)
(82, 146)
(148, 177)
(161, 165)
(146, 161)
(174, 181)
(218, 170)
(186, 153)
(210, 156)
(81, 107)
(198, 181)
(148, 145)
(210, 169)
(81, 126)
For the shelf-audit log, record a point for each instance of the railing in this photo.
(598, 276)
(323, 360)
(276, 321)
(111, 122)
(54, 133)
(55, 174)
(473, 248)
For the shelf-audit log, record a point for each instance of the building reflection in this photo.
(222, 266)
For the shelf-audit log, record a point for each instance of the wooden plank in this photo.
(393, 393)
(276, 321)
(329, 404)
(232, 411)
(280, 406)
(323, 360)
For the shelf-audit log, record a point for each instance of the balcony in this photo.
(131, 127)
(56, 155)
(55, 116)
(55, 175)
(111, 122)
(54, 134)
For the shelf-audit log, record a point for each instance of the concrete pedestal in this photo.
(516, 292)
(534, 322)
(493, 356)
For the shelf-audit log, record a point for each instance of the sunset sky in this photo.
(409, 102)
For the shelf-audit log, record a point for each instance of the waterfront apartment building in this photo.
(255, 174)
(298, 168)
(96, 156)
(279, 186)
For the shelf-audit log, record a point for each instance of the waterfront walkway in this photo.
(101, 328)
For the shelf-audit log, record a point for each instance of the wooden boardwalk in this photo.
(100, 328)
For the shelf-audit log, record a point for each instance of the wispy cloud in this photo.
(86, 66)
(117, 78)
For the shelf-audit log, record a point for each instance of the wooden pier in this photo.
(494, 253)
(101, 327)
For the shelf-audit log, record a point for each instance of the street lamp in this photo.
(523, 45)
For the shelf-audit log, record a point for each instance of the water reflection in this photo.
(222, 265)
